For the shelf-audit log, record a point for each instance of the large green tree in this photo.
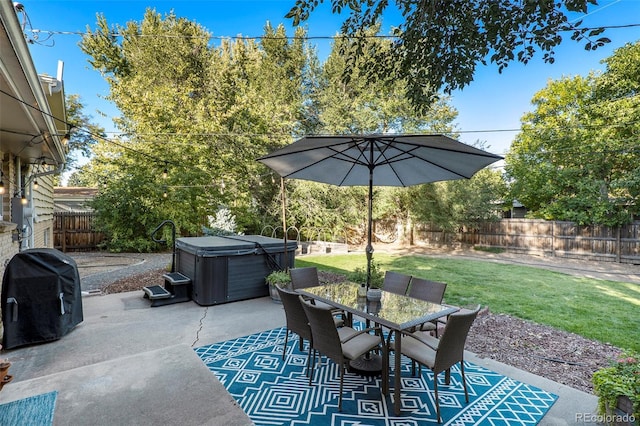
(84, 132)
(578, 155)
(439, 43)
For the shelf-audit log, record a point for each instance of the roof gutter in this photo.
(39, 99)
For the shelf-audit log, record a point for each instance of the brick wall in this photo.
(8, 249)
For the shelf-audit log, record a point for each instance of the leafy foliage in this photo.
(451, 205)
(439, 44)
(202, 113)
(278, 278)
(621, 379)
(577, 158)
(359, 275)
(224, 223)
(81, 141)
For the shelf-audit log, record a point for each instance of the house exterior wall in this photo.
(8, 247)
(43, 217)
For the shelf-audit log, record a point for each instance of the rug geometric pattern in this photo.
(276, 392)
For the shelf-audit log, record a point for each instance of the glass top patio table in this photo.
(394, 311)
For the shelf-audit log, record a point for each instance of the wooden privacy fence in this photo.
(74, 231)
(560, 239)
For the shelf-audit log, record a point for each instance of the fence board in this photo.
(75, 231)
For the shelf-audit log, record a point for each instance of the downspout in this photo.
(28, 211)
(58, 169)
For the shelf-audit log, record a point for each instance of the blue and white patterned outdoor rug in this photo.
(276, 392)
(34, 410)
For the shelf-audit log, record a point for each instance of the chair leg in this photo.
(301, 340)
(464, 382)
(447, 376)
(286, 339)
(435, 388)
(313, 362)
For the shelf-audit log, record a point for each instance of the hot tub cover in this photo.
(234, 245)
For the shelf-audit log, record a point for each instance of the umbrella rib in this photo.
(336, 155)
(396, 158)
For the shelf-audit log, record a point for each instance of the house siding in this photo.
(43, 213)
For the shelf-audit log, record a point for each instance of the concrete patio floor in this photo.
(130, 364)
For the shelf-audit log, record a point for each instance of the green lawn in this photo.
(607, 311)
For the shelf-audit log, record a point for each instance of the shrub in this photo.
(622, 378)
(277, 278)
(359, 275)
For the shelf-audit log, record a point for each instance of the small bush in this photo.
(359, 275)
(621, 379)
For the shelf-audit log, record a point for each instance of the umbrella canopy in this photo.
(380, 159)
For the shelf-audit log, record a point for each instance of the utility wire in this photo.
(270, 37)
(87, 131)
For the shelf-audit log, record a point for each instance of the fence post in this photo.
(618, 245)
(553, 239)
(64, 235)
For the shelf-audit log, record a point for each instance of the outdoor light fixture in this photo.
(24, 200)
(1, 186)
(67, 136)
(165, 173)
(35, 184)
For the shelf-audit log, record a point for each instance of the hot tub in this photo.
(231, 268)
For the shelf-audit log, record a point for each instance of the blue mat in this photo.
(32, 411)
(276, 392)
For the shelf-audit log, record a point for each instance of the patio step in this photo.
(156, 292)
(177, 288)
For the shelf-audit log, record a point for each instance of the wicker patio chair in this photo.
(431, 291)
(341, 345)
(441, 354)
(396, 282)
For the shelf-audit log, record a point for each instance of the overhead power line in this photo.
(89, 132)
(271, 37)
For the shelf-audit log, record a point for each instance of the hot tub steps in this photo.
(177, 288)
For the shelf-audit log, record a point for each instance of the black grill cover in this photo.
(41, 297)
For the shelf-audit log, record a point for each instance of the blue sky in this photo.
(492, 101)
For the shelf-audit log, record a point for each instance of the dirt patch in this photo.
(542, 350)
(136, 282)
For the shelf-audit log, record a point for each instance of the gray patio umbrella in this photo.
(380, 159)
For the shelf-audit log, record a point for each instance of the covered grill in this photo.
(41, 297)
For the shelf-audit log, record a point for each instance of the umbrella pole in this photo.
(369, 248)
(284, 223)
